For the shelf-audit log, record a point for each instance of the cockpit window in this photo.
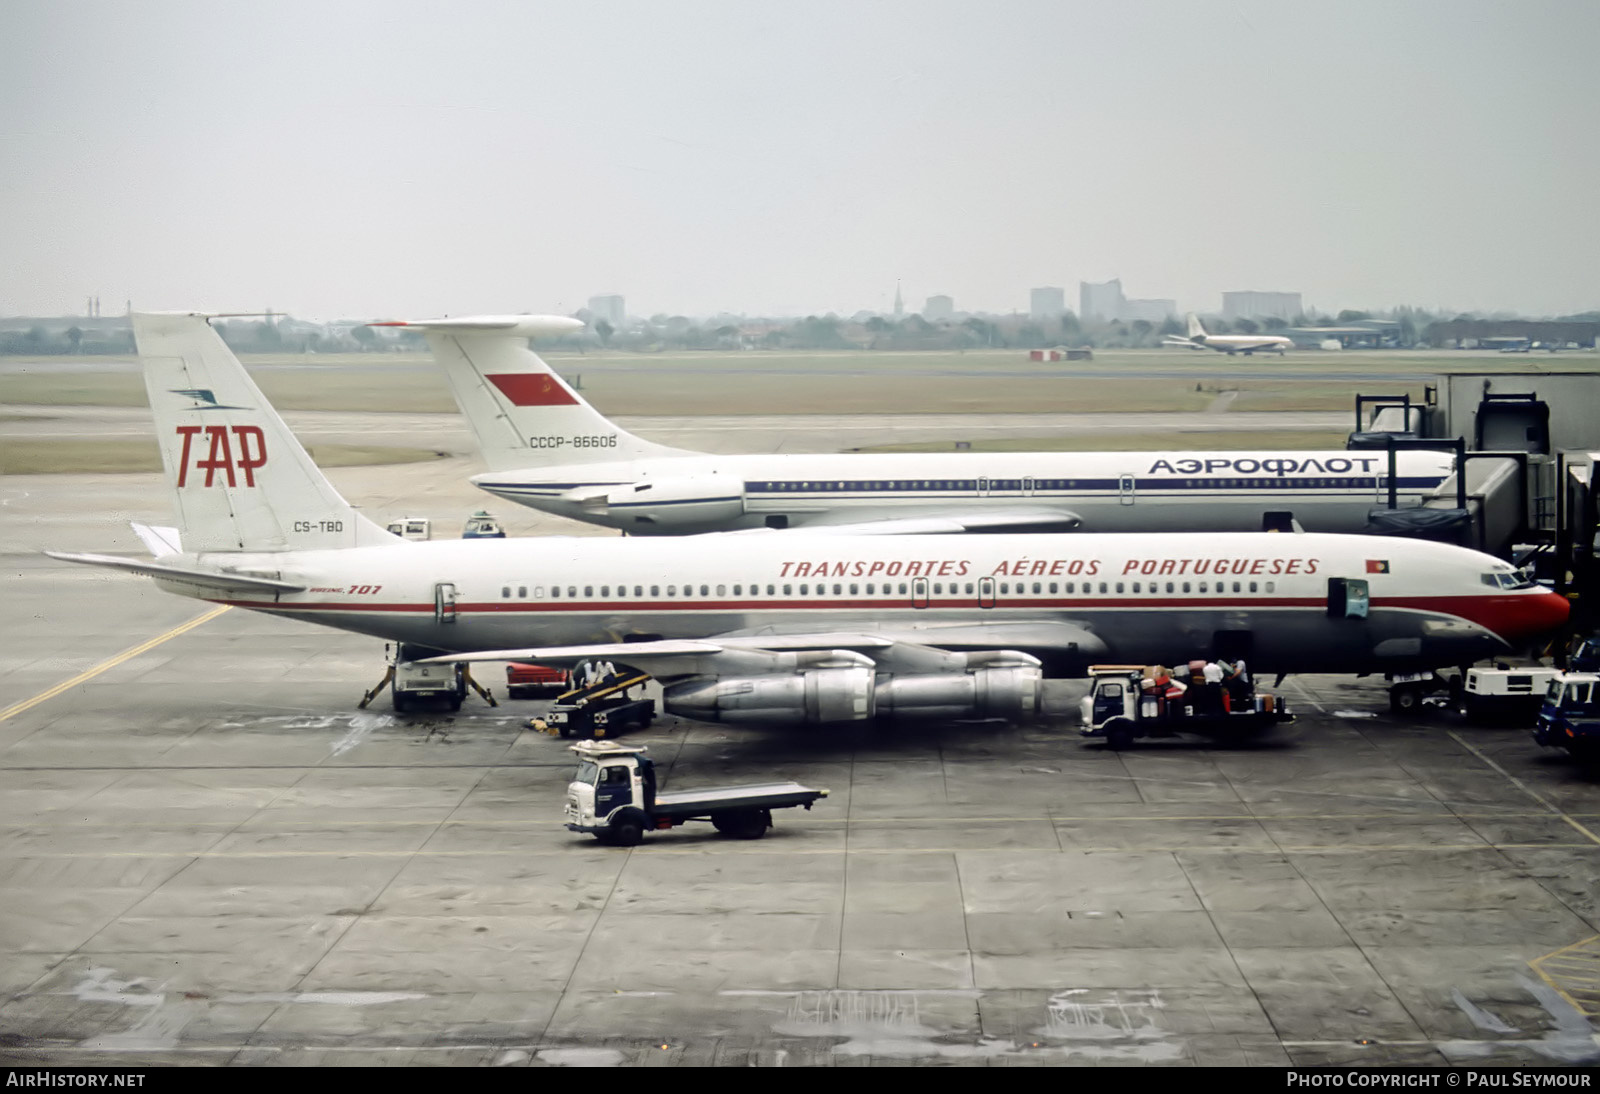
(1514, 579)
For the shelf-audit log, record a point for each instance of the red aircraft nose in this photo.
(1538, 614)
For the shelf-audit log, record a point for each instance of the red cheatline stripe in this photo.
(532, 389)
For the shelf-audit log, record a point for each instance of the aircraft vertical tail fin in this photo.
(1195, 329)
(522, 413)
(240, 480)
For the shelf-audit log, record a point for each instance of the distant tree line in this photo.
(677, 333)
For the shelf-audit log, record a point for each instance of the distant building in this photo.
(899, 305)
(1103, 303)
(1154, 312)
(939, 307)
(610, 308)
(1261, 305)
(1100, 302)
(1047, 303)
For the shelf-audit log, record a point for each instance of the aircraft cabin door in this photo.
(1348, 598)
(919, 592)
(986, 592)
(444, 603)
(1126, 485)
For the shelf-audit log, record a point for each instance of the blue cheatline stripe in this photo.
(1288, 484)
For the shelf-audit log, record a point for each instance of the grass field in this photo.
(818, 383)
(55, 456)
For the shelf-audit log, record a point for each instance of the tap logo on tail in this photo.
(221, 456)
(204, 395)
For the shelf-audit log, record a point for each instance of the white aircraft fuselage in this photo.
(1067, 599)
(1326, 491)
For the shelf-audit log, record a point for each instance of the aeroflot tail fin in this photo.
(521, 412)
(1195, 329)
(240, 480)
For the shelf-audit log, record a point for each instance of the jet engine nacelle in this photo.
(673, 503)
(1005, 685)
(814, 697)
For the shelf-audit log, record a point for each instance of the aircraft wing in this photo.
(1183, 342)
(957, 522)
(211, 579)
(932, 647)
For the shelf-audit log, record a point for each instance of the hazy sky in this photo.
(406, 159)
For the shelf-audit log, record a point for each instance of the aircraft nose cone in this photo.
(1545, 612)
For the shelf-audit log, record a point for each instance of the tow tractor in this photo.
(613, 797)
(1120, 710)
(1570, 717)
(599, 708)
(1507, 694)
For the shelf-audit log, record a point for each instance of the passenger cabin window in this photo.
(655, 590)
(522, 592)
(505, 591)
(555, 591)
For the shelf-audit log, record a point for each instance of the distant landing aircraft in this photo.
(1228, 343)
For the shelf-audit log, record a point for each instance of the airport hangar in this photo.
(213, 858)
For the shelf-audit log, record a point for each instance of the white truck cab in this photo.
(411, 528)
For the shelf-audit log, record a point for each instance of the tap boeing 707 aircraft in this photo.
(787, 629)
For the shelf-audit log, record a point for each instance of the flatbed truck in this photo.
(1118, 711)
(613, 797)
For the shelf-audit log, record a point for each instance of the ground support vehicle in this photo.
(414, 684)
(417, 528)
(613, 796)
(1119, 710)
(483, 526)
(525, 681)
(601, 708)
(1507, 694)
(1570, 716)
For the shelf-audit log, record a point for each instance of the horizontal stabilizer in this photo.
(211, 579)
(520, 326)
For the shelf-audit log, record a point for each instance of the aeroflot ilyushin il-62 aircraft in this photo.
(790, 628)
(548, 449)
(1229, 343)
